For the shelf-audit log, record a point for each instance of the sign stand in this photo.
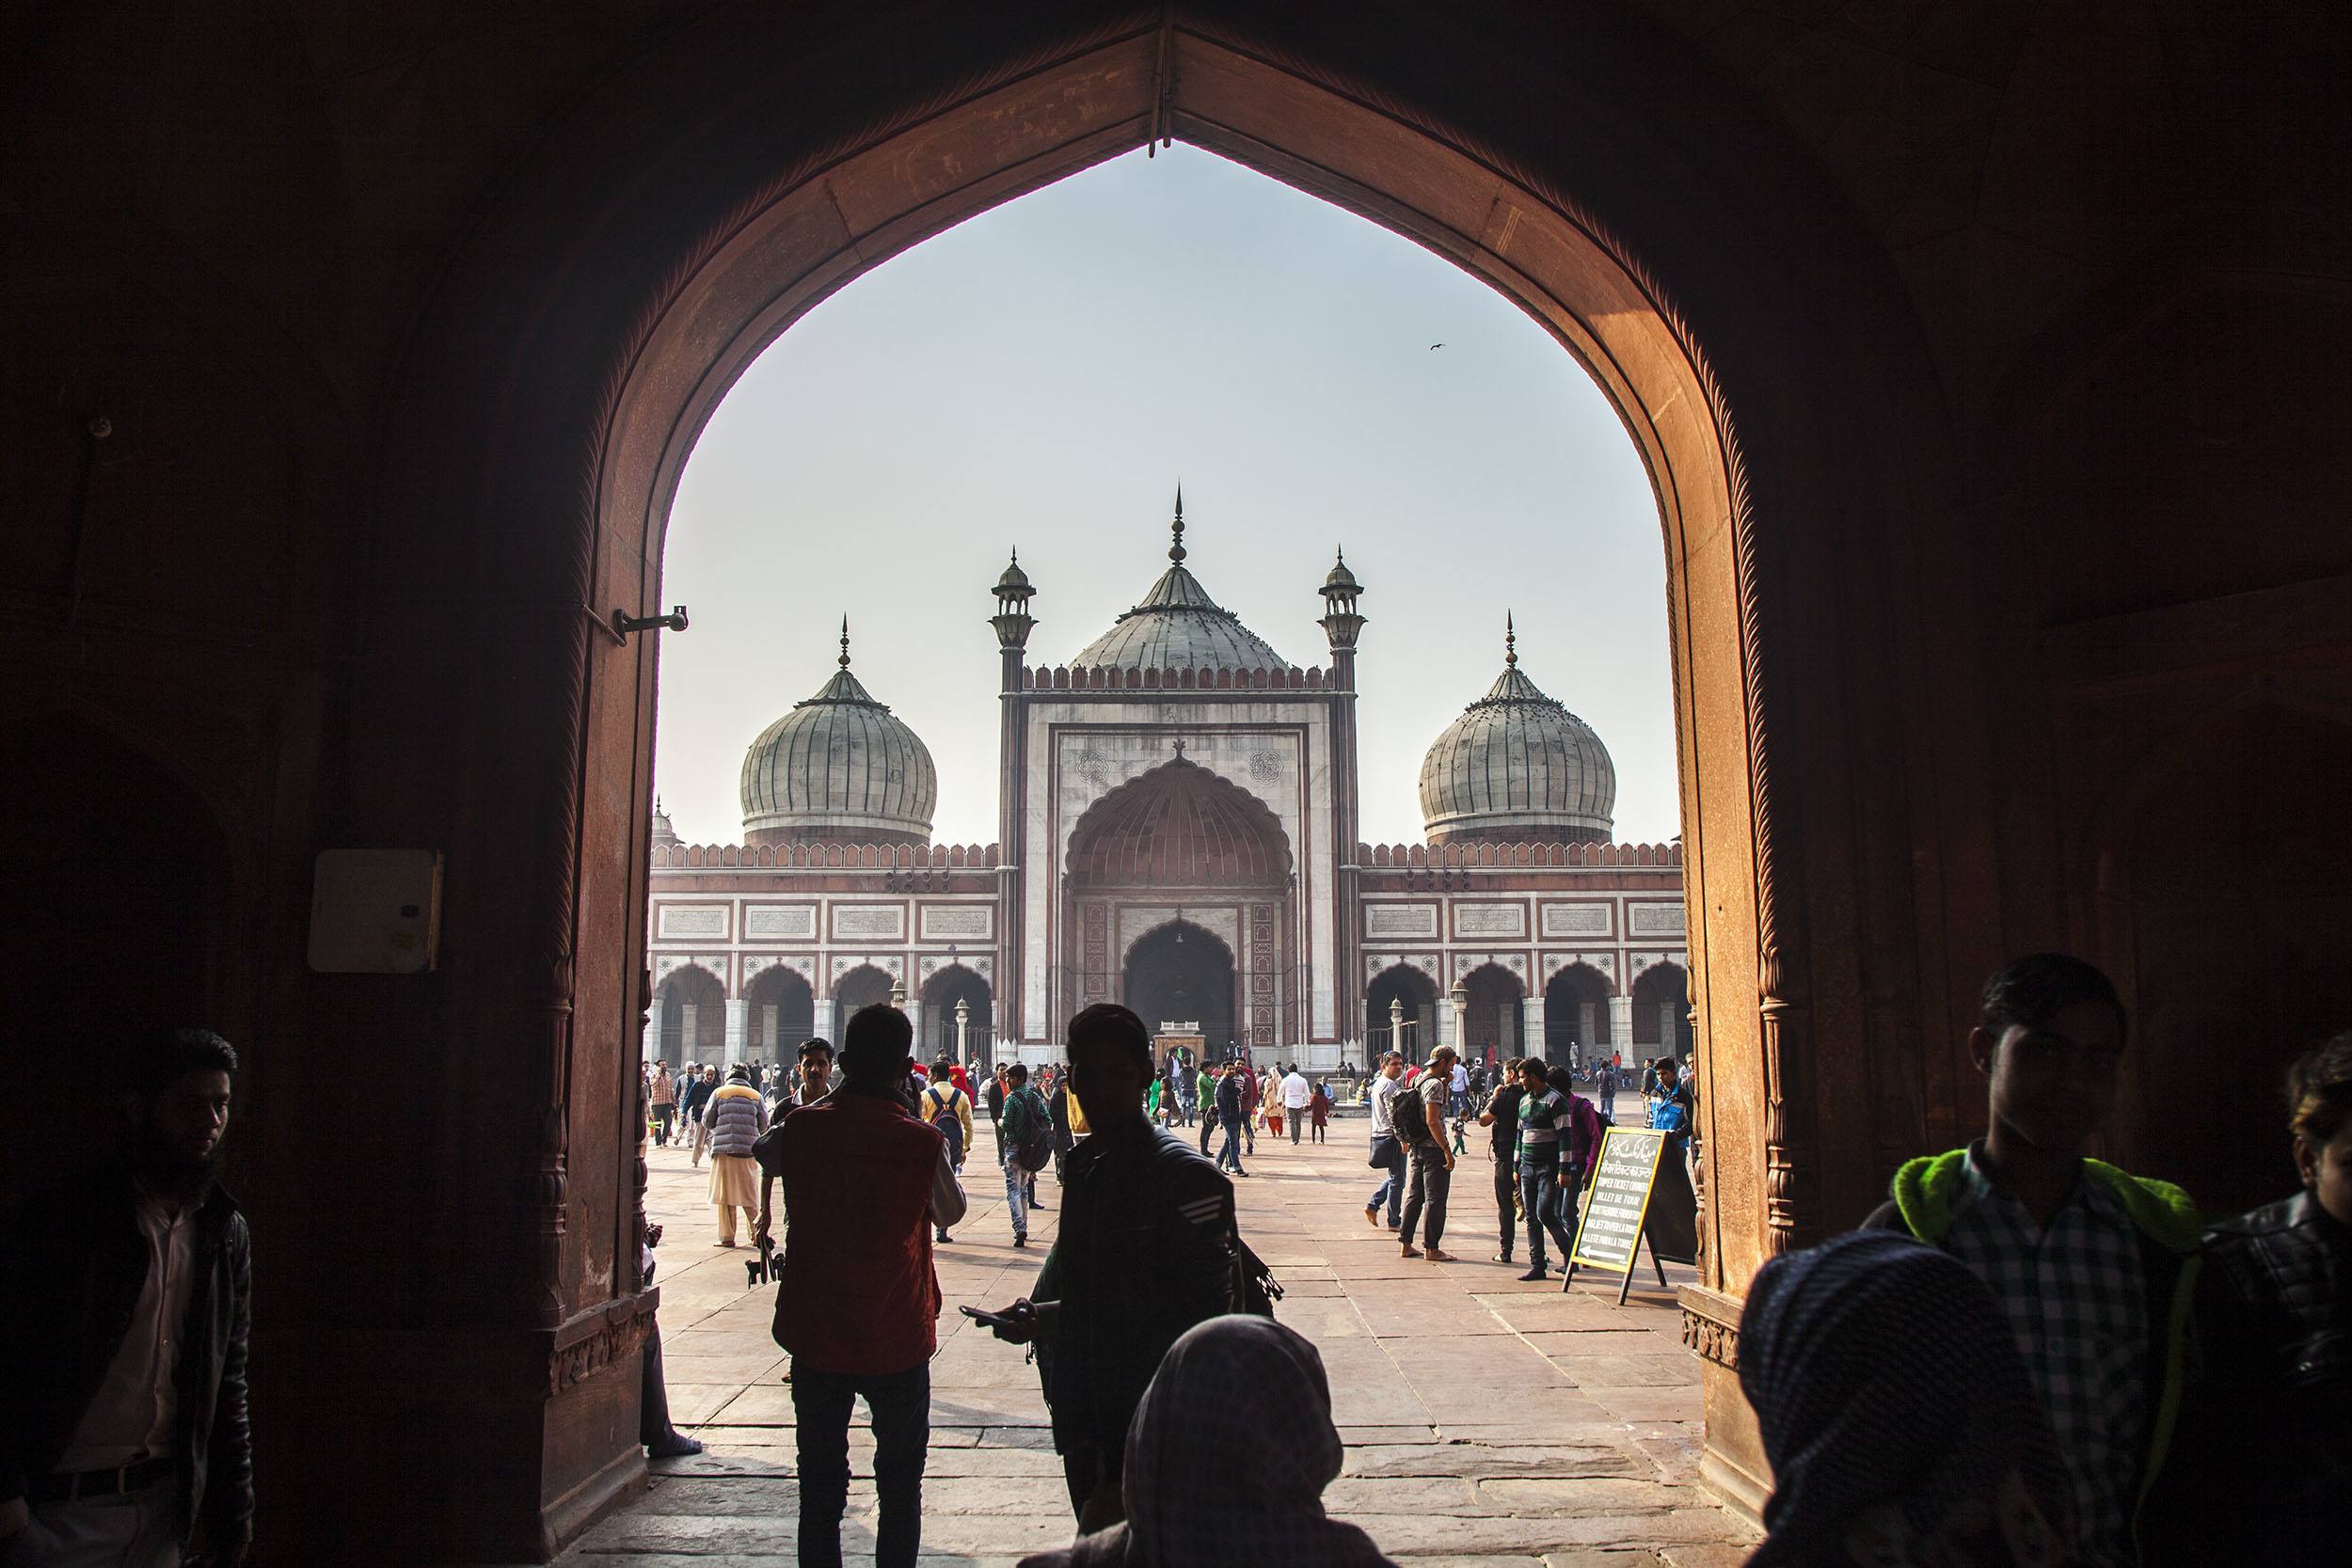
(1616, 1207)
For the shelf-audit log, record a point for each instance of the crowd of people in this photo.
(2026, 1355)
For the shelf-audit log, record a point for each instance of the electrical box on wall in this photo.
(375, 911)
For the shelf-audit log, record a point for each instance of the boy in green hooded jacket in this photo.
(2094, 1268)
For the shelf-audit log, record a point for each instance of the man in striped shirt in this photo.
(1556, 1140)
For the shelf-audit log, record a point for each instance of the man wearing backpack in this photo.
(949, 1109)
(1028, 1144)
(1147, 1249)
(1421, 1127)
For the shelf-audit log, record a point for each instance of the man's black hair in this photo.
(1017, 1073)
(153, 1062)
(1108, 1023)
(2027, 992)
(879, 1042)
(815, 1045)
(2320, 1090)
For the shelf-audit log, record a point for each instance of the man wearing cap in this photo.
(1432, 1158)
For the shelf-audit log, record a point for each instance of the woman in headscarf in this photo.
(1226, 1461)
(1896, 1414)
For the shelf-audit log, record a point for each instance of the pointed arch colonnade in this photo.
(1992, 627)
(970, 121)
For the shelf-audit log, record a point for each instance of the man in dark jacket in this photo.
(2267, 1457)
(1146, 1249)
(123, 1430)
(2094, 1267)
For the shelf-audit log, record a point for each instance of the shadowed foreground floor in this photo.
(1487, 1421)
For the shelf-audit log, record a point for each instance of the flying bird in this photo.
(1434, 347)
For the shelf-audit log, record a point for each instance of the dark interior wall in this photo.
(288, 254)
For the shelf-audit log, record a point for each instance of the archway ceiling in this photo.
(1179, 826)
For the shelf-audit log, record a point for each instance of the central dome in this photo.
(1178, 627)
(1518, 768)
(838, 769)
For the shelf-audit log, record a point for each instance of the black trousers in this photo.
(901, 1407)
(1506, 1202)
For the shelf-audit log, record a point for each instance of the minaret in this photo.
(1342, 625)
(1013, 623)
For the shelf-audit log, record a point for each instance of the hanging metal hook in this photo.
(624, 623)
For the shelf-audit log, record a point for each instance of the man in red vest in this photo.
(866, 1182)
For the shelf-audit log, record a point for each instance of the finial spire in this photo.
(1176, 550)
(1510, 641)
(845, 641)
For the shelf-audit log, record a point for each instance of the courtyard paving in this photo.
(1487, 1421)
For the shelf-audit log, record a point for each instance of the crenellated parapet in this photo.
(1065, 678)
(1450, 857)
(825, 856)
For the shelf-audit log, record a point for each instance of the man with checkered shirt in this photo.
(2093, 1267)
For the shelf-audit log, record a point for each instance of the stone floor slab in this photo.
(1485, 1421)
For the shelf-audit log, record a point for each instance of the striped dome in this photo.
(838, 769)
(1518, 768)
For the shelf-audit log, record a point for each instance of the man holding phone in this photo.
(1146, 1249)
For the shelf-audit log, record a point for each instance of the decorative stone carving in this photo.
(693, 920)
(1712, 1341)
(886, 921)
(1576, 920)
(607, 1340)
(1400, 920)
(1653, 920)
(781, 920)
(1490, 920)
(942, 922)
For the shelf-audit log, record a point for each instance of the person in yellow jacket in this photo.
(2094, 1268)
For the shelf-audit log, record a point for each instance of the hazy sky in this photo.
(1042, 376)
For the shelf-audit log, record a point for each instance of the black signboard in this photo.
(1636, 1169)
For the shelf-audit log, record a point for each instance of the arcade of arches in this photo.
(336, 424)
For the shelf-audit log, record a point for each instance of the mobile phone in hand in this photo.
(993, 1320)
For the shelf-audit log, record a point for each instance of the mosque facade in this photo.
(1177, 832)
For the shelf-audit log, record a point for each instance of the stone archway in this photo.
(693, 1018)
(952, 984)
(1576, 1016)
(1181, 850)
(861, 986)
(1490, 1015)
(779, 1012)
(717, 230)
(1661, 1011)
(1415, 993)
(1181, 973)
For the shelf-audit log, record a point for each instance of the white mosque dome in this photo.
(1517, 767)
(839, 768)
